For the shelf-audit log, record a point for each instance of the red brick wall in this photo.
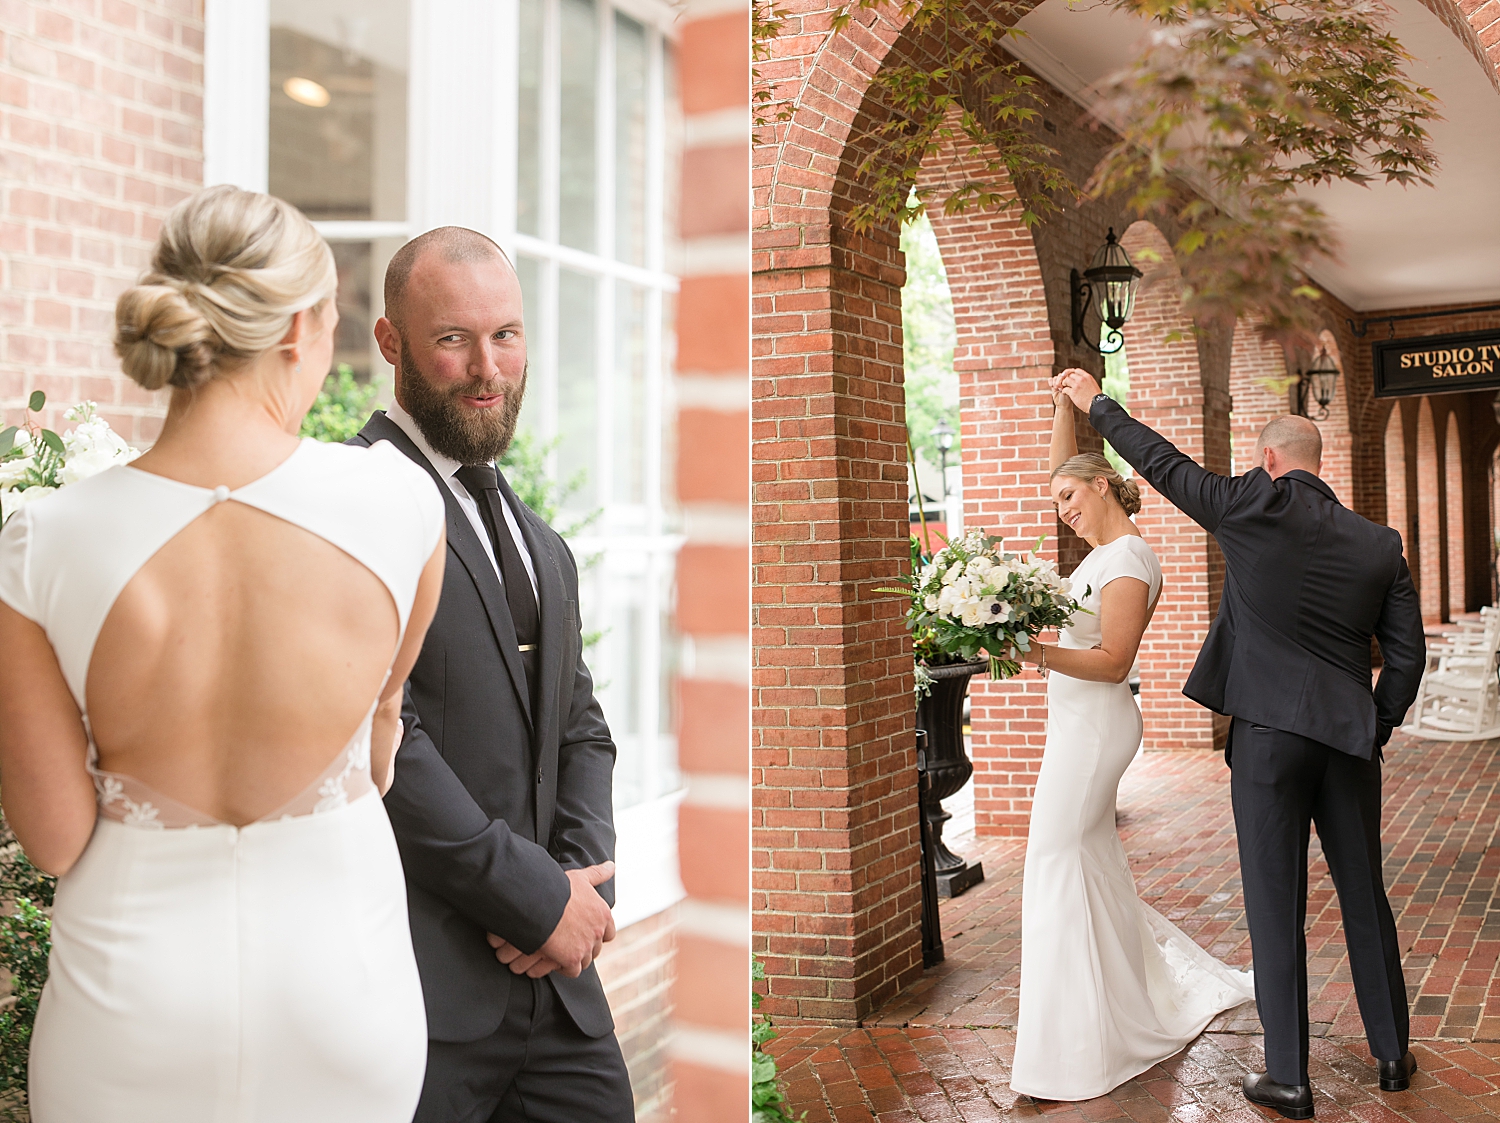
(711, 1018)
(1429, 517)
(102, 105)
(1397, 516)
(637, 969)
(1173, 390)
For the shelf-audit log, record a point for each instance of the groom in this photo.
(502, 799)
(1308, 583)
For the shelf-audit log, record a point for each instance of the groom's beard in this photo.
(470, 436)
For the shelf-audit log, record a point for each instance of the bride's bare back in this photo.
(238, 662)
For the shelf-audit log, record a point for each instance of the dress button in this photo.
(221, 493)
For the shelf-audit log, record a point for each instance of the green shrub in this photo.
(25, 940)
(341, 408)
(767, 1100)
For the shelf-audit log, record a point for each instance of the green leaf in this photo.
(8, 439)
(36, 401)
(53, 441)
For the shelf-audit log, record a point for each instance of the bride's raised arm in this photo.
(1064, 440)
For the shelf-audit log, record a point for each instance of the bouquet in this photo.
(973, 597)
(35, 462)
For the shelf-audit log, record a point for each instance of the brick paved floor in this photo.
(941, 1050)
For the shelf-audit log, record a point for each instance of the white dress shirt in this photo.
(448, 469)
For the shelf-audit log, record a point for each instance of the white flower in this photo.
(12, 500)
(14, 470)
(955, 571)
(82, 465)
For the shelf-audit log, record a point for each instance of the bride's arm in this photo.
(1123, 615)
(44, 781)
(385, 729)
(1064, 440)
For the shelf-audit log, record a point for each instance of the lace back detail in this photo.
(124, 799)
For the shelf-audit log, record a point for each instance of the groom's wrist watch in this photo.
(1099, 397)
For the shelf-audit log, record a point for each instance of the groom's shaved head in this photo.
(457, 245)
(1296, 441)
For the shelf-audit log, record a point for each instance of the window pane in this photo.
(529, 270)
(338, 108)
(577, 390)
(630, 394)
(631, 165)
(352, 337)
(578, 160)
(529, 124)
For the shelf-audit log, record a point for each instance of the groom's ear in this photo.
(389, 341)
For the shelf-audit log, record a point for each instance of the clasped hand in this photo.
(586, 926)
(1078, 386)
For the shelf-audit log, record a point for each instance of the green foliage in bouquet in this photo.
(25, 940)
(973, 599)
(767, 1100)
(42, 449)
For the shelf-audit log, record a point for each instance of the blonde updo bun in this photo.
(231, 269)
(1088, 466)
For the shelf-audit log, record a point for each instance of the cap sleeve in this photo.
(428, 512)
(1134, 559)
(15, 564)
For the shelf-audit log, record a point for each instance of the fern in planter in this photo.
(25, 940)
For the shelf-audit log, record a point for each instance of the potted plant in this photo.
(973, 607)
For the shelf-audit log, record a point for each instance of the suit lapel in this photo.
(465, 544)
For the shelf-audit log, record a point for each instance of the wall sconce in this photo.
(1109, 285)
(1318, 382)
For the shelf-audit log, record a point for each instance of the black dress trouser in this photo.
(1280, 783)
(538, 1067)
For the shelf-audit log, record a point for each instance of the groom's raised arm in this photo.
(1201, 495)
(501, 881)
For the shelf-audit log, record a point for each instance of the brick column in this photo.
(837, 898)
(1253, 364)
(1395, 480)
(103, 109)
(1172, 390)
(1453, 473)
(710, 1044)
(1429, 568)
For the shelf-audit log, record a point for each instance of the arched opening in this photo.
(1257, 388)
(1003, 355)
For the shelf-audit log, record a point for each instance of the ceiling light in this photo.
(306, 91)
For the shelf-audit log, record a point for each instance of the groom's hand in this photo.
(586, 922)
(1079, 385)
(536, 965)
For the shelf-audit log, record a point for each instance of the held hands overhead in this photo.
(1078, 386)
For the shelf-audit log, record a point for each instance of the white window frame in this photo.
(475, 185)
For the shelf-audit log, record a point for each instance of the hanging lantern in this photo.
(1109, 284)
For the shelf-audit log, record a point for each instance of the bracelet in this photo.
(1043, 667)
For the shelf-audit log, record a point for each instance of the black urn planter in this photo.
(941, 714)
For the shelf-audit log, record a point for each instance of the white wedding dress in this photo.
(1109, 986)
(202, 972)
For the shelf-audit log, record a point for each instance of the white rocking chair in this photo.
(1459, 698)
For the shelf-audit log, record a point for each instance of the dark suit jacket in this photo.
(1308, 582)
(493, 801)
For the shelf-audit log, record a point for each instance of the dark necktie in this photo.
(482, 482)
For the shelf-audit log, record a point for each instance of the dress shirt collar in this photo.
(446, 466)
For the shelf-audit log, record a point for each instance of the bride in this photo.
(1108, 986)
(199, 706)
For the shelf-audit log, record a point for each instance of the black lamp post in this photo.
(1317, 382)
(1109, 285)
(943, 434)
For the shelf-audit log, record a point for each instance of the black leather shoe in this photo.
(1294, 1101)
(1395, 1076)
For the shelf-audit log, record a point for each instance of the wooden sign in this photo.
(1437, 364)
